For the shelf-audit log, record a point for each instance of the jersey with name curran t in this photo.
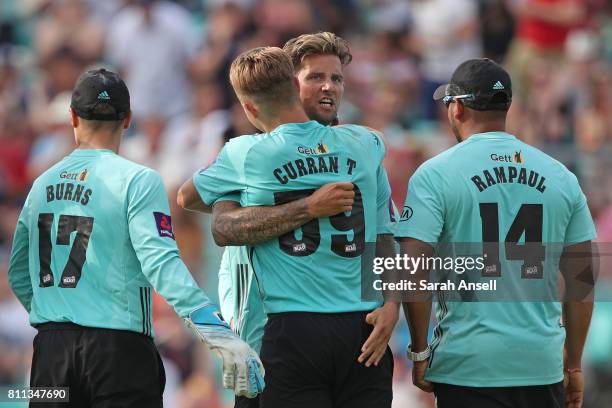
(240, 297)
(316, 268)
(494, 188)
(93, 238)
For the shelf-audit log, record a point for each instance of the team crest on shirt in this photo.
(83, 175)
(164, 225)
(518, 157)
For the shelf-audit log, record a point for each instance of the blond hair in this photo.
(264, 74)
(322, 43)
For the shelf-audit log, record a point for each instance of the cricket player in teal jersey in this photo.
(239, 292)
(310, 280)
(318, 60)
(494, 188)
(93, 239)
(321, 87)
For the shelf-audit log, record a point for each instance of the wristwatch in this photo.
(420, 356)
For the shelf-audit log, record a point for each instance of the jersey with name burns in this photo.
(93, 239)
(316, 268)
(494, 188)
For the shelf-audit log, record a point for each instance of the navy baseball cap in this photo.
(481, 84)
(100, 95)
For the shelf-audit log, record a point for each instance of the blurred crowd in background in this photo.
(175, 56)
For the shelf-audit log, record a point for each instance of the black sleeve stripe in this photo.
(237, 297)
(241, 293)
(142, 310)
(259, 289)
(149, 312)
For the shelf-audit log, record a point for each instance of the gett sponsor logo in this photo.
(320, 149)
(517, 157)
(77, 176)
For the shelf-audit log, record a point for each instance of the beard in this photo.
(325, 119)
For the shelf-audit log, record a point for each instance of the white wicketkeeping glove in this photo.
(242, 369)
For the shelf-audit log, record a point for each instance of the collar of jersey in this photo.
(301, 125)
(90, 152)
(491, 135)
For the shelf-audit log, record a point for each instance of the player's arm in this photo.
(385, 317)
(418, 310)
(153, 241)
(417, 230)
(189, 199)
(19, 267)
(223, 178)
(577, 268)
(235, 225)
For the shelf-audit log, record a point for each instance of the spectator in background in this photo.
(228, 25)
(147, 145)
(58, 73)
(240, 125)
(496, 28)
(542, 28)
(15, 139)
(286, 18)
(594, 123)
(151, 42)
(197, 138)
(68, 24)
(56, 138)
(13, 94)
(385, 81)
(445, 33)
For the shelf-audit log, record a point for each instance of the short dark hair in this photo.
(102, 125)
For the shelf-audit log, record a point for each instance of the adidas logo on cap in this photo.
(498, 86)
(103, 95)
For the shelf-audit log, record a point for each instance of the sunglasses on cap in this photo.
(448, 99)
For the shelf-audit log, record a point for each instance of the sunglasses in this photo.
(448, 99)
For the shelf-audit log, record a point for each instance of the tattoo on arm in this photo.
(233, 225)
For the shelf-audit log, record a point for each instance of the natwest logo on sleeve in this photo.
(164, 225)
